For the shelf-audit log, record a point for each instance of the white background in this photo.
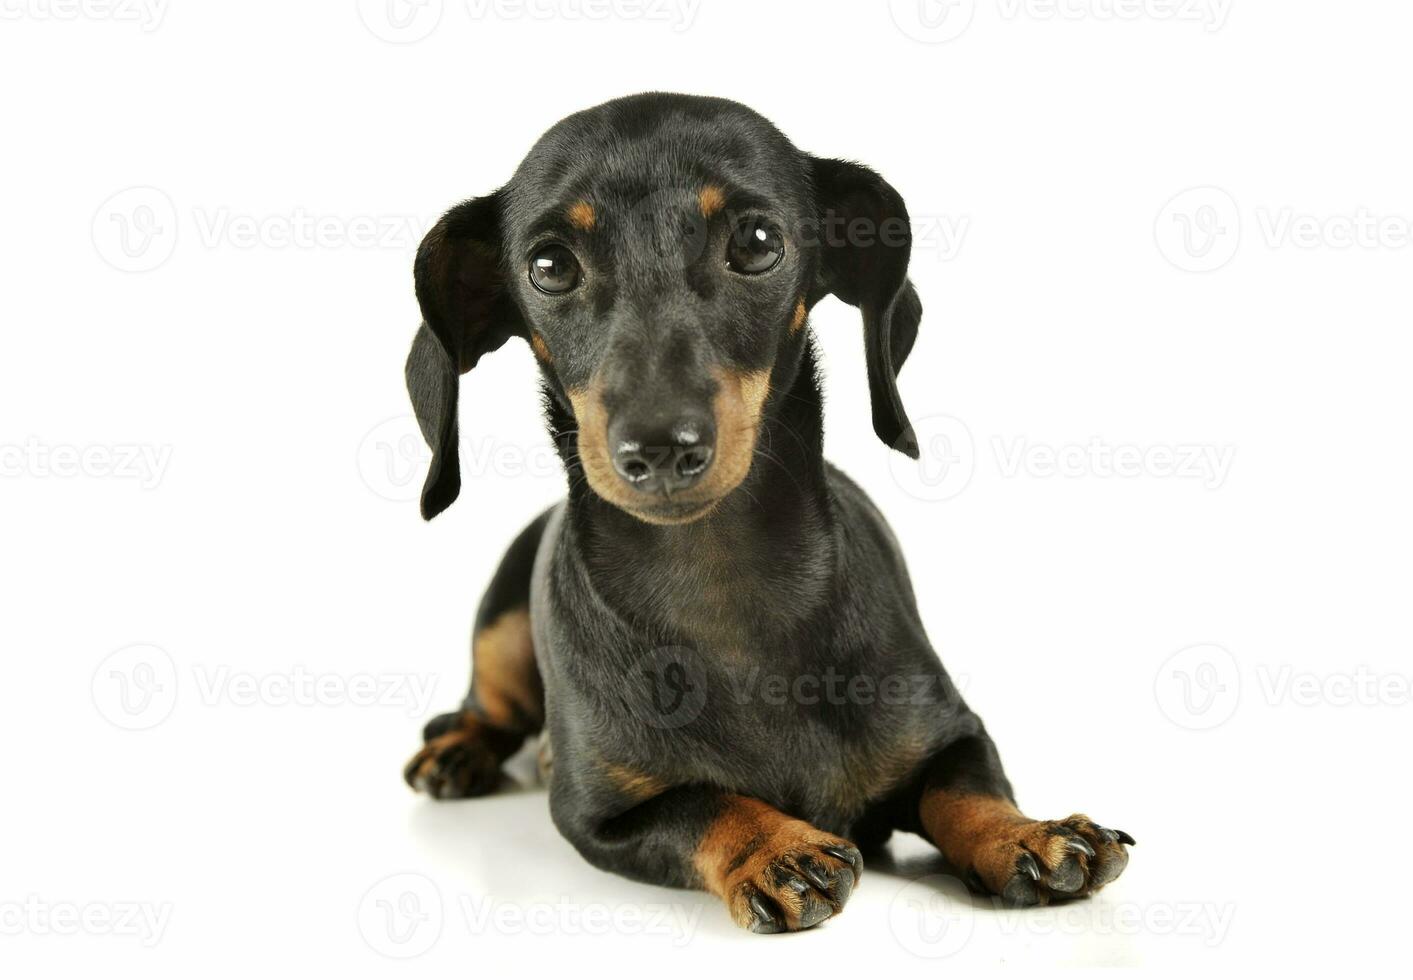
(1207, 646)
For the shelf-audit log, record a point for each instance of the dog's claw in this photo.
(814, 874)
(849, 854)
(795, 883)
(453, 765)
(790, 882)
(1114, 836)
(844, 886)
(1040, 861)
(766, 921)
(1080, 845)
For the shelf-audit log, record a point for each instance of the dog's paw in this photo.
(457, 763)
(790, 884)
(1037, 861)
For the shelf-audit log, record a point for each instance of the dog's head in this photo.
(660, 254)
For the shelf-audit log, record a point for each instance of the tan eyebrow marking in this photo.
(711, 200)
(799, 319)
(581, 216)
(537, 344)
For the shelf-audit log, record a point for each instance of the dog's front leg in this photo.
(775, 873)
(967, 809)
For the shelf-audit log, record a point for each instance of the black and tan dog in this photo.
(715, 631)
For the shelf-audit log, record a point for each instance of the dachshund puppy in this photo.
(714, 634)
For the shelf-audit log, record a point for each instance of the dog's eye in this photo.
(756, 246)
(554, 269)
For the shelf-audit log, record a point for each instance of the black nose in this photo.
(662, 458)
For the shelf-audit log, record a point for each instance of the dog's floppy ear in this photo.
(865, 239)
(466, 312)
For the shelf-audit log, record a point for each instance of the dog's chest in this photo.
(736, 672)
(817, 738)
